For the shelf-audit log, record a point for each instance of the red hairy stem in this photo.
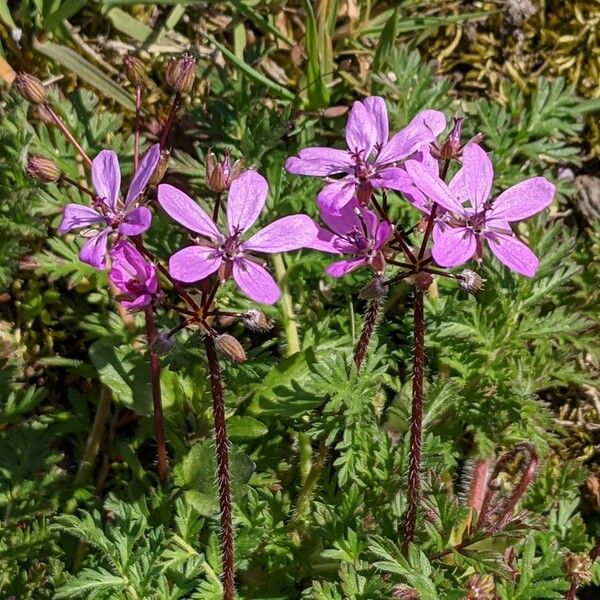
(223, 474)
(479, 483)
(61, 125)
(165, 132)
(416, 426)
(571, 594)
(136, 139)
(159, 424)
(371, 317)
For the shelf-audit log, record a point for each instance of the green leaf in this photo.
(65, 11)
(386, 41)
(316, 88)
(245, 428)
(89, 581)
(139, 31)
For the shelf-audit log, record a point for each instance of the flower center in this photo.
(231, 247)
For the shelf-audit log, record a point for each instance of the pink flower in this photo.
(371, 159)
(110, 214)
(228, 253)
(470, 218)
(133, 276)
(356, 231)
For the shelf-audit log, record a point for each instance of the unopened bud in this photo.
(480, 587)
(31, 88)
(229, 346)
(220, 175)
(161, 167)
(135, 69)
(376, 288)
(42, 168)
(577, 567)
(423, 281)
(256, 320)
(181, 73)
(470, 281)
(164, 342)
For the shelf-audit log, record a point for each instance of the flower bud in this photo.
(42, 168)
(229, 346)
(220, 175)
(470, 281)
(577, 567)
(161, 167)
(31, 88)
(256, 320)
(423, 281)
(376, 288)
(164, 342)
(135, 70)
(181, 73)
(480, 587)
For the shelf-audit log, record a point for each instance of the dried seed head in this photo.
(256, 320)
(229, 346)
(423, 281)
(164, 342)
(181, 73)
(42, 168)
(31, 88)
(470, 281)
(480, 587)
(41, 113)
(135, 69)
(577, 567)
(220, 175)
(405, 593)
(161, 167)
(376, 288)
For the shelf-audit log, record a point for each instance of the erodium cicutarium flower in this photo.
(109, 215)
(356, 231)
(228, 253)
(371, 160)
(470, 217)
(133, 276)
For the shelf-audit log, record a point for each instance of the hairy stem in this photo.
(416, 426)
(223, 474)
(291, 328)
(165, 132)
(159, 423)
(374, 307)
(136, 139)
(60, 124)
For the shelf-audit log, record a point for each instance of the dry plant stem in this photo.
(223, 474)
(159, 423)
(416, 426)
(374, 307)
(67, 133)
(136, 139)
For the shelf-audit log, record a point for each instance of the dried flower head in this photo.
(181, 73)
(229, 346)
(42, 168)
(31, 88)
(161, 167)
(256, 320)
(220, 175)
(577, 567)
(135, 69)
(470, 281)
(480, 587)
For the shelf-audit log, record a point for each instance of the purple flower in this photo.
(228, 253)
(133, 276)
(471, 218)
(356, 231)
(110, 214)
(371, 159)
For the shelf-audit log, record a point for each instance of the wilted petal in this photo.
(246, 199)
(360, 130)
(432, 186)
(513, 253)
(184, 210)
(136, 222)
(477, 174)
(76, 216)
(320, 162)
(452, 246)
(142, 175)
(255, 281)
(334, 196)
(106, 177)
(283, 235)
(93, 252)
(376, 107)
(523, 200)
(343, 267)
(194, 263)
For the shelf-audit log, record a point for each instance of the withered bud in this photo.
(31, 88)
(577, 567)
(470, 281)
(220, 175)
(229, 346)
(42, 168)
(161, 167)
(423, 281)
(135, 69)
(256, 320)
(164, 342)
(401, 592)
(480, 587)
(181, 73)
(41, 113)
(451, 147)
(376, 288)
(363, 193)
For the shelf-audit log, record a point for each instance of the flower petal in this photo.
(93, 252)
(255, 281)
(360, 130)
(452, 246)
(142, 175)
(283, 235)
(342, 221)
(523, 200)
(184, 210)
(245, 200)
(76, 216)
(334, 196)
(320, 162)
(136, 222)
(478, 175)
(194, 263)
(325, 241)
(376, 107)
(513, 253)
(137, 304)
(432, 186)
(343, 267)
(106, 177)
(392, 178)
